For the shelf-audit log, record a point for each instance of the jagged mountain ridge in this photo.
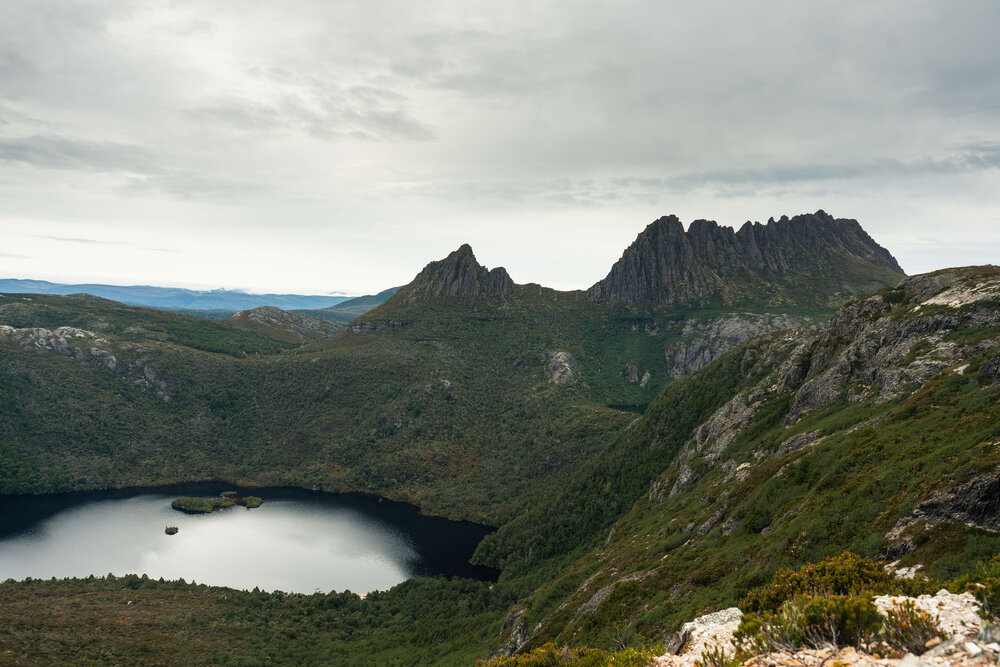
(723, 286)
(667, 267)
(812, 259)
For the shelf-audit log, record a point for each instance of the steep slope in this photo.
(806, 260)
(879, 435)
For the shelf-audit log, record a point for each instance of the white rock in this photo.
(703, 634)
(956, 614)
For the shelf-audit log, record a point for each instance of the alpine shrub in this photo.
(909, 629)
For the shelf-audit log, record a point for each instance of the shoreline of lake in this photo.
(415, 544)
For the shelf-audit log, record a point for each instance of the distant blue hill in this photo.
(175, 298)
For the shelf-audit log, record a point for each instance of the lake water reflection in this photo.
(296, 541)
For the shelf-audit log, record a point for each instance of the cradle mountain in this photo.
(725, 402)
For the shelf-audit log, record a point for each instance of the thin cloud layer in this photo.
(313, 146)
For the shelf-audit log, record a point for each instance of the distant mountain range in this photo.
(176, 298)
(345, 311)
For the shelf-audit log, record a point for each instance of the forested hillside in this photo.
(645, 458)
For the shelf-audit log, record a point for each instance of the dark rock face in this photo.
(459, 274)
(667, 266)
(976, 503)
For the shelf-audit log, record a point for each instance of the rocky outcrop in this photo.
(955, 615)
(704, 634)
(667, 267)
(636, 375)
(513, 633)
(704, 341)
(561, 368)
(284, 325)
(125, 361)
(975, 504)
(708, 442)
(879, 348)
(888, 344)
(72, 342)
(458, 275)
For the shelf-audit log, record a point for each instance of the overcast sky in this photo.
(315, 146)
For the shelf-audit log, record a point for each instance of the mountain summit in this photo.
(814, 257)
(459, 274)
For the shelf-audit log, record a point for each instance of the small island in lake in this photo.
(222, 501)
(171, 530)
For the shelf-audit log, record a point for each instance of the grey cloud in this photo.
(771, 175)
(984, 156)
(191, 186)
(55, 152)
(13, 256)
(14, 65)
(324, 111)
(141, 170)
(528, 107)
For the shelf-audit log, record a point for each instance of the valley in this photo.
(723, 404)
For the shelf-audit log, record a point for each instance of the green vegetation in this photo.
(551, 655)
(199, 505)
(829, 603)
(137, 620)
(908, 629)
(208, 505)
(984, 582)
(700, 537)
(846, 574)
(615, 526)
(837, 620)
(134, 324)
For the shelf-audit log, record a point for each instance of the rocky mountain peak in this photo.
(460, 274)
(760, 263)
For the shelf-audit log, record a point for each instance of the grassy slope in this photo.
(671, 557)
(129, 620)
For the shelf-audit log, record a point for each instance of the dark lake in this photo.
(297, 541)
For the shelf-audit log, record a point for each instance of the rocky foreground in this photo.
(969, 642)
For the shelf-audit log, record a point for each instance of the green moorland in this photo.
(447, 403)
(136, 620)
(609, 500)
